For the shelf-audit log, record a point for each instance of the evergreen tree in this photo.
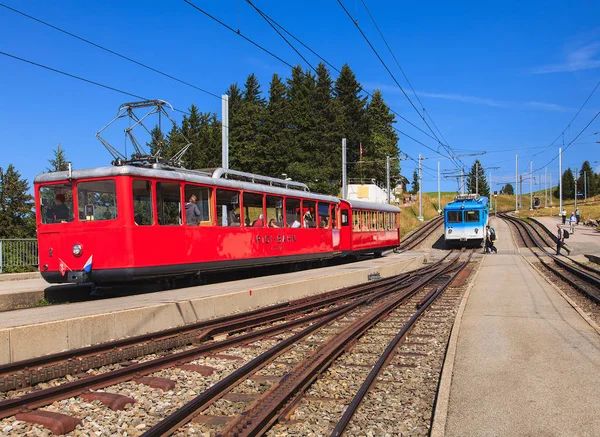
(382, 140)
(190, 130)
(158, 143)
(591, 184)
(273, 150)
(17, 218)
(244, 139)
(568, 185)
(476, 180)
(508, 189)
(415, 183)
(175, 142)
(351, 113)
(59, 163)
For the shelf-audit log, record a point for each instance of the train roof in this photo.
(218, 177)
(464, 202)
(360, 204)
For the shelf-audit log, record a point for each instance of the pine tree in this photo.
(158, 143)
(273, 150)
(590, 185)
(382, 140)
(508, 189)
(476, 180)
(190, 130)
(244, 141)
(351, 113)
(568, 185)
(17, 218)
(59, 163)
(414, 189)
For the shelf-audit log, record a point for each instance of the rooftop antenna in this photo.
(141, 156)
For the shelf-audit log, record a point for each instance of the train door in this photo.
(345, 227)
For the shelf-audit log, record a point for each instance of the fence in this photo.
(18, 253)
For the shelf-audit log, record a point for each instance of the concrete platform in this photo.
(521, 361)
(32, 332)
(584, 241)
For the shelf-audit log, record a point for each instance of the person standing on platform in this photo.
(563, 213)
(560, 239)
(573, 222)
(577, 214)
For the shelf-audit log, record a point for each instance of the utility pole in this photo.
(344, 186)
(462, 180)
(530, 185)
(546, 188)
(420, 191)
(439, 197)
(560, 207)
(575, 178)
(521, 191)
(491, 193)
(516, 183)
(584, 185)
(476, 177)
(387, 170)
(550, 191)
(225, 131)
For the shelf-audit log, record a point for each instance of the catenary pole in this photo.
(585, 185)
(546, 187)
(530, 184)
(575, 178)
(560, 206)
(439, 194)
(225, 131)
(344, 186)
(476, 177)
(516, 183)
(420, 191)
(387, 171)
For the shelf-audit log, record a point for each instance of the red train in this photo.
(124, 223)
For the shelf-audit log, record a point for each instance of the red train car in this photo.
(124, 223)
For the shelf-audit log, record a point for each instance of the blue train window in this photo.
(454, 216)
(472, 216)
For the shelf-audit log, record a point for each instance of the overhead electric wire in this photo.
(272, 22)
(390, 73)
(445, 143)
(141, 64)
(73, 76)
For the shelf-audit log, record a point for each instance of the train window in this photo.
(56, 203)
(334, 213)
(228, 208)
(274, 212)
(381, 220)
(471, 216)
(454, 216)
(254, 215)
(356, 220)
(168, 203)
(142, 202)
(292, 213)
(197, 206)
(344, 217)
(364, 220)
(309, 217)
(323, 215)
(97, 200)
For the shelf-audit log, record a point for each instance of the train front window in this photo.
(97, 200)
(142, 202)
(472, 216)
(56, 203)
(168, 203)
(454, 216)
(197, 204)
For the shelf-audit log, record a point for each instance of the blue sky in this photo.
(494, 76)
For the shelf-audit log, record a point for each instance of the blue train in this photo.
(465, 219)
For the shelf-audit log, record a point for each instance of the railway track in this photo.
(416, 237)
(584, 279)
(286, 350)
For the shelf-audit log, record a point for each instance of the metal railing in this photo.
(18, 252)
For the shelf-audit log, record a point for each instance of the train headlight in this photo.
(449, 231)
(77, 249)
(476, 230)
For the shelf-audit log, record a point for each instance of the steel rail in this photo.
(418, 235)
(593, 281)
(40, 398)
(185, 413)
(387, 355)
